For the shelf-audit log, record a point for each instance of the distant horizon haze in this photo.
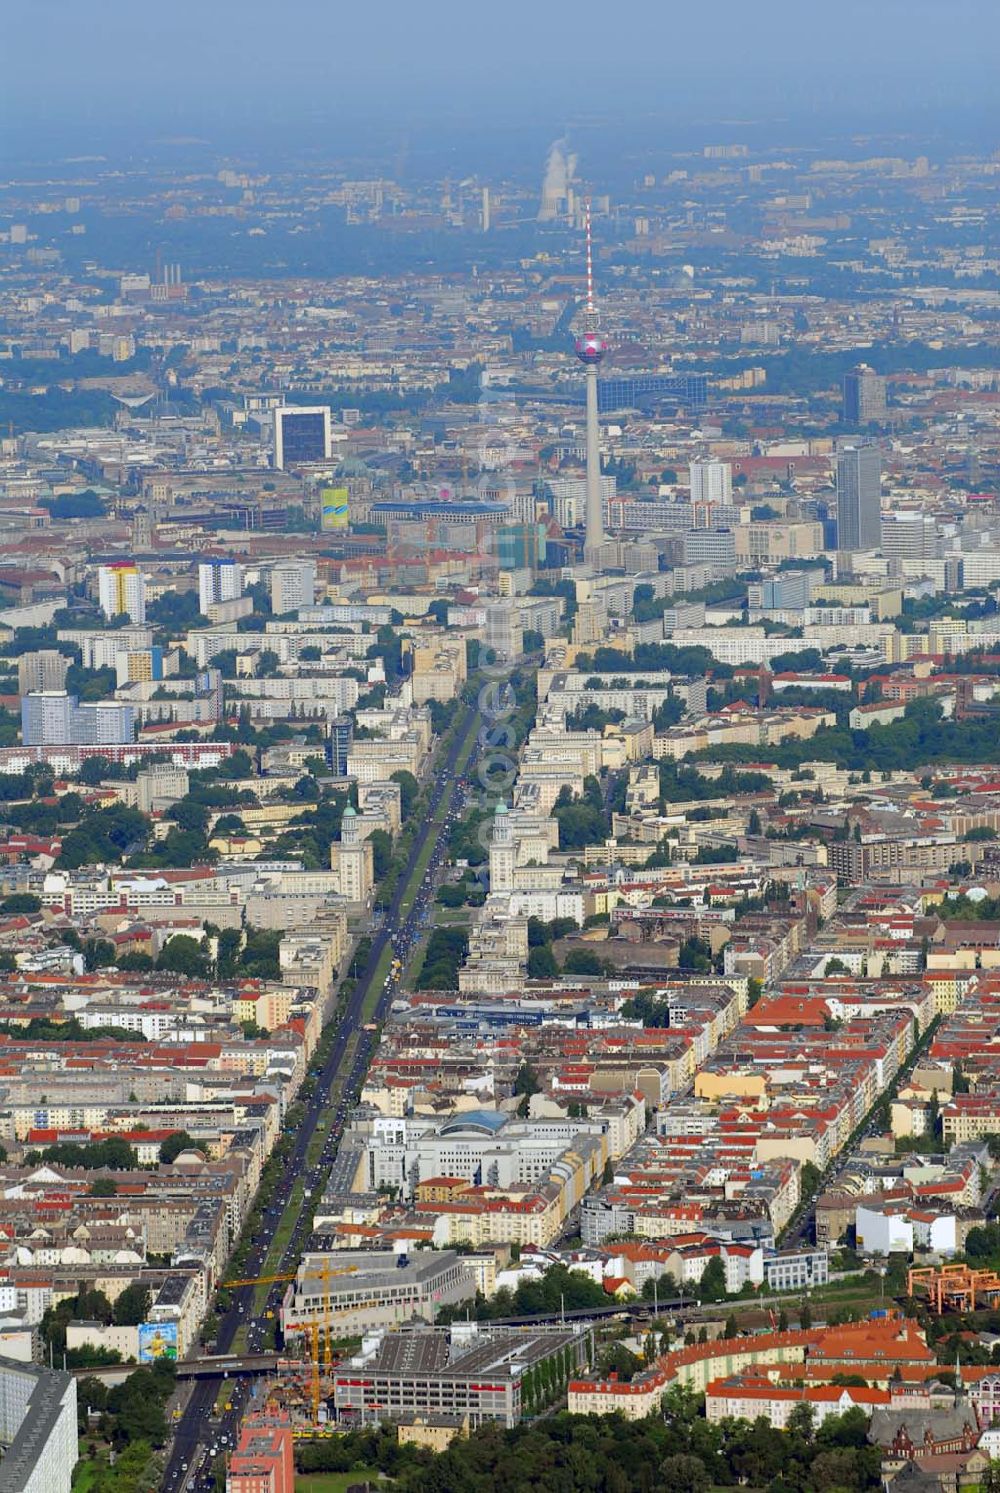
(324, 78)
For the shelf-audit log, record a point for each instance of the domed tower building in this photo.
(502, 852)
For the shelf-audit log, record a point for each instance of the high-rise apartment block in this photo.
(138, 665)
(504, 633)
(293, 585)
(46, 717)
(55, 718)
(859, 498)
(44, 670)
(864, 396)
(711, 482)
(121, 588)
(218, 580)
(301, 434)
(568, 500)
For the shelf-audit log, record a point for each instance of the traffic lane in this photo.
(188, 1432)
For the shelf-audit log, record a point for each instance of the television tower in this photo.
(590, 349)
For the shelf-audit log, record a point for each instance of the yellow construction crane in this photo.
(314, 1359)
(325, 1274)
(322, 1271)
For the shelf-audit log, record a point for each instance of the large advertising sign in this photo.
(157, 1340)
(334, 508)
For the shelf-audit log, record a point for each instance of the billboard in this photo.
(157, 1340)
(334, 508)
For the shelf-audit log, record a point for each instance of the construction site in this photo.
(344, 1297)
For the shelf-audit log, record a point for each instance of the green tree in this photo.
(409, 791)
(132, 1305)
(527, 1081)
(542, 963)
(136, 963)
(443, 957)
(712, 1286)
(381, 852)
(21, 902)
(174, 1145)
(184, 955)
(810, 1178)
(684, 1473)
(801, 1421)
(91, 1393)
(582, 962)
(98, 953)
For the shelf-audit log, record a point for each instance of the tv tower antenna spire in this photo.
(591, 303)
(590, 349)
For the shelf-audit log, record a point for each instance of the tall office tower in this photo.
(859, 498)
(341, 736)
(293, 585)
(121, 588)
(590, 349)
(218, 580)
(711, 482)
(864, 396)
(45, 670)
(301, 434)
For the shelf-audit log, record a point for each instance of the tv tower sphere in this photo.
(590, 347)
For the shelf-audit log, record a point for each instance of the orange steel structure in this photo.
(953, 1285)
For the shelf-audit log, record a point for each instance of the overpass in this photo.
(209, 1366)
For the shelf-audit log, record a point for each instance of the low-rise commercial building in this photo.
(469, 1371)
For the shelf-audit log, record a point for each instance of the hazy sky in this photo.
(78, 68)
